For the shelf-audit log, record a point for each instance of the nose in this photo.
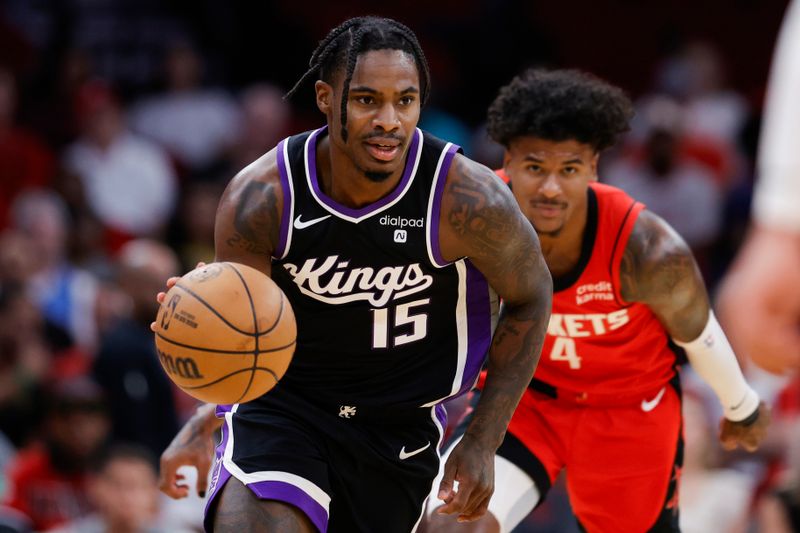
(386, 117)
(550, 187)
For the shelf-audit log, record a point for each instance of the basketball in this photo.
(225, 333)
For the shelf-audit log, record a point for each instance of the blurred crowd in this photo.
(110, 173)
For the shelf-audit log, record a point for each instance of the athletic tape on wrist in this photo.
(713, 359)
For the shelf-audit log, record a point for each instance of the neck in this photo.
(345, 183)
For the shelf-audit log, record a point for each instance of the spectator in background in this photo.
(24, 161)
(53, 112)
(65, 294)
(696, 77)
(712, 497)
(128, 181)
(123, 489)
(713, 113)
(266, 119)
(17, 258)
(765, 278)
(195, 240)
(198, 126)
(678, 190)
(778, 509)
(759, 300)
(140, 395)
(48, 479)
(25, 359)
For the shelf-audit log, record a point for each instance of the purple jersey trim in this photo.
(479, 325)
(411, 158)
(286, 220)
(441, 178)
(441, 415)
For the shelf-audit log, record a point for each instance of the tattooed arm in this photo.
(247, 228)
(658, 269)
(247, 225)
(480, 220)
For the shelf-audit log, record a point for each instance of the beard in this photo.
(552, 233)
(377, 176)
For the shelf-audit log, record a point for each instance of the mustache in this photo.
(547, 202)
(384, 135)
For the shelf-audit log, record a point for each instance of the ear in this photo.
(506, 159)
(595, 159)
(324, 96)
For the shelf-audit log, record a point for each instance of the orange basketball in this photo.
(225, 333)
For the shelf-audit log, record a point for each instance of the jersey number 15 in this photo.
(402, 316)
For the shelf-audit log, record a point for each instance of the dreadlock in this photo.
(353, 37)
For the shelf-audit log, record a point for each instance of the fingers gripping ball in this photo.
(225, 333)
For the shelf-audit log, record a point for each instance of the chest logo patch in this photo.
(303, 224)
(590, 292)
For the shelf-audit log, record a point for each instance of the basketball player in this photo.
(604, 403)
(765, 279)
(386, 241)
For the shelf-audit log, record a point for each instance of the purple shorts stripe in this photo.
(437, 204)
(287, 201)
(479, 325)
(266, 490)
(286, 492)
(219, 476)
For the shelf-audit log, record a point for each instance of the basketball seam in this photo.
(255, 325)
(226, 376)
(208, 306)
(255, 328)
(230, 352)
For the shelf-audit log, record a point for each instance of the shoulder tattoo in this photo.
(256, 219)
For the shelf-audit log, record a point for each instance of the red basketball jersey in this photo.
(596, 342)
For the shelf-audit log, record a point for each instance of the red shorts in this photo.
(622, 462)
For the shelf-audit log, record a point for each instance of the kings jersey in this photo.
(382, 318)
(596, 341)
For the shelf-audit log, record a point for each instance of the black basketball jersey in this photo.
(382, 319)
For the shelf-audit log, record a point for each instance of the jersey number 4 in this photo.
(564, 350)
(403, 316)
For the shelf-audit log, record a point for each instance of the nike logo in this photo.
(299, 224)
(649, 406)
(405, 455)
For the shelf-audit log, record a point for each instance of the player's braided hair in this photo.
(560, 105)
(353, 37)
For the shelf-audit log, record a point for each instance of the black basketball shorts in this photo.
(348, 468)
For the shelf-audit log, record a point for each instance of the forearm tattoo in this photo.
(505, 248)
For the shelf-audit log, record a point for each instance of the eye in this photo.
(536, 169)
(365, 100)
(407, 100)
(570, 170)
